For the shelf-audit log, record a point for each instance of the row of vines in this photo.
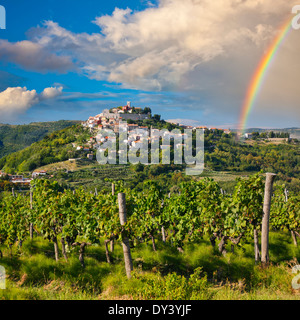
(195, 211)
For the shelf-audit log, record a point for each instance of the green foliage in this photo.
(35, 275)
(196, 210)
(172, 286)
(13, 220)
(222, 152)
(285, 213)
(17, 137)
(53, 148)
(247, 202)
(146, 218)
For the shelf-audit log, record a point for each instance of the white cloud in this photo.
(33, 56)
(205, 49)
(50, 93)
(157, 46)
(16, 100)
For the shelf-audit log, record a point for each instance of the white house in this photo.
(38, 173)
(248, 135)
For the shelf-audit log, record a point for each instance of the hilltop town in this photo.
(72, 153)
(83, 144)
(127, 119)
(111, 118)
(128, 125)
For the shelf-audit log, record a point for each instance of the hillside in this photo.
(17, 137)
(223, 153)
(54, 147)
(75, 141)
(293, 132)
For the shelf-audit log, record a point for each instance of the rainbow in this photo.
(260, 73)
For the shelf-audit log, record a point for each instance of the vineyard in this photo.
(73, 221)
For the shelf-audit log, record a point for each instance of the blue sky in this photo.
(190, 61)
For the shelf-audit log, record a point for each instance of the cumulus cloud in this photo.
(166, 42)
(50, 93)
(16, 100)
(154, 48)
(33, 56)
(206, 49)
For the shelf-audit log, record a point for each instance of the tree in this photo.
(147, 110)
(271, 135)
(156, 117)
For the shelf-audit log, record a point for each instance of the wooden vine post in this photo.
(112, 241)
(31, 207)
(125, 240)
(266, 218)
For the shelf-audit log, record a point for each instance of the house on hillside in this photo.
(36, 174)
(248, 135)
(126, 108)
(20, 180)
(132, 126)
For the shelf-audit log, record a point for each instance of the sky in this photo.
(190, 61)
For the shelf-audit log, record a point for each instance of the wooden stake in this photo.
(31, 207)
(266, 218)
(125, 240)
(286, 194)
(112, 241)
(113, 189)
(256, 246)
(56, 249)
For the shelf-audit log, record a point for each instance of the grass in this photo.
(226, 179)
(88, 174)
(200, 272)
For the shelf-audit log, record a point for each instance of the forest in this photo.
(17, 137)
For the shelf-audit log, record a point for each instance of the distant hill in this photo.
(294, 132)
(17, 137)
(57, 146)
(222, 153)
(273, 129)
(54, 147)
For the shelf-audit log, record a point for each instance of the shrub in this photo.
(172, 286)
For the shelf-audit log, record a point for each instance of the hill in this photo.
(293, 132)
(54, 147)
(17, 137)
(223, 153)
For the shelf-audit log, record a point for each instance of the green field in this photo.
(91, 175)
(88, 174)
(200, 272)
